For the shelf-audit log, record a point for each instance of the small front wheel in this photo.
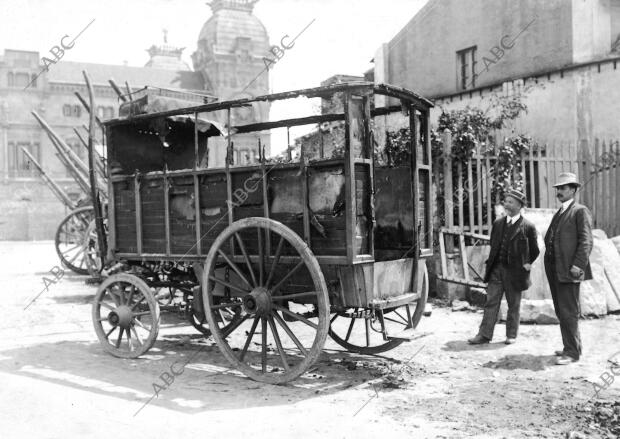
(125, 316)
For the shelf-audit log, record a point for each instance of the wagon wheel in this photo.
(125, 316)
(357, 330)
(94, 264)
(258, 291)
(69, 239)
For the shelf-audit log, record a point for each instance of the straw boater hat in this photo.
(517, 195)
(567, 178)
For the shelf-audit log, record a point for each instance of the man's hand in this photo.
(528, 267)
(576, 272)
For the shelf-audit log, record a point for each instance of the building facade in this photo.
(229, 53)
(563, 53)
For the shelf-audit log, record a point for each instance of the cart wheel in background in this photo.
(357, 330)
(91, 251)
(70, 236)
(125, 316)
(260, 343)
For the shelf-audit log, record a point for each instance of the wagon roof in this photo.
(382, 89)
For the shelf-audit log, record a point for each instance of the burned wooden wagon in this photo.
(272, 256)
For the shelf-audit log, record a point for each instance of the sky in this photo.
(342, 39)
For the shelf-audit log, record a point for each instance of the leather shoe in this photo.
(564, 360)
(478, 339)
(510, 341)
(559, 353)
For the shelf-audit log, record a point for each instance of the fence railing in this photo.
(468, 202)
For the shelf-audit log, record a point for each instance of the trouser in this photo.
(498, 284)
(565, 297)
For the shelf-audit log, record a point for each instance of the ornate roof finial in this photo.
(239, 5)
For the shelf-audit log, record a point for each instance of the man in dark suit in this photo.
(568, 245)
(514, 248)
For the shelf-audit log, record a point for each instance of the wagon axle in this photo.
(121, 316)
(258, 302)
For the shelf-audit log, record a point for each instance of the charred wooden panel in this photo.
(153, 215)
(182, 215)
(125, 216)
(393, 209)
(213, 208)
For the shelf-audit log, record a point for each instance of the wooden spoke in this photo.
(143, 313)
(287, 277)
(261, 257)
(228, 285)
(295, 316)
(138, 302)
(246, 257)
(276, 259)
(276, 338)
(120, 337)
(290, 334)
(234, 325)
(249, 339)
(263, 359)
(333, 319)
(78, 253)
(114, 298)
(367, 322)
(350, 329)
(107, 334)
(136, 335)
(235, 268)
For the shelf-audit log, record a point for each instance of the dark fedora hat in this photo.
(567, 178)
(517, 195)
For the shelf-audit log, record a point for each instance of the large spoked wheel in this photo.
(125, 316)
(70, 237)
(359, 330)
(280, 294)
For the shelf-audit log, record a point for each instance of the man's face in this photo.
(512, 206)
(565, 192)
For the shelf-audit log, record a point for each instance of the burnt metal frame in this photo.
(409, 101)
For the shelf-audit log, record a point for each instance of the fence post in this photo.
(447, 180)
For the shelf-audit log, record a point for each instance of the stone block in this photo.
(533, 311)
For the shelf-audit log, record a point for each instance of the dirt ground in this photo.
(55, 380)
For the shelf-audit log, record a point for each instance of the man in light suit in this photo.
(568, 245)
(514, 248)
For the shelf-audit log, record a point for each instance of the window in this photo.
(71, 110)
(466, 74)
(19, 164)
(22, 79)
(10, 79)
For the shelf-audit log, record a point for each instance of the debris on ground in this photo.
(602, 418)
(461, 305)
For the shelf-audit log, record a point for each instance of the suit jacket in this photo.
(522, 249)
(572, 245)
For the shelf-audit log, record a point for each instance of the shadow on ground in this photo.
(204, 380)
(522, 361)
(462, 345)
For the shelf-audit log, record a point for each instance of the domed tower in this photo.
(229, 56)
